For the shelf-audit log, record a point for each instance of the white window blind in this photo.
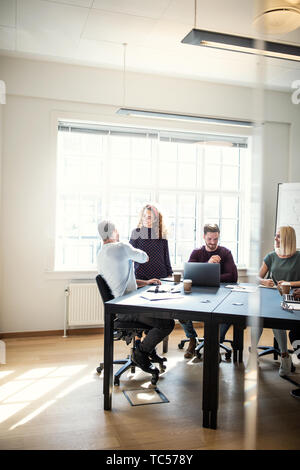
(112, 172)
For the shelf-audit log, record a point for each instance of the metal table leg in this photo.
(238, 343)
(108, 358)
(210, 374)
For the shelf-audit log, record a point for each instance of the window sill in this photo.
(90, 275)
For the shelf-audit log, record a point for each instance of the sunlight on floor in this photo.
(250, 404)
(35, 385)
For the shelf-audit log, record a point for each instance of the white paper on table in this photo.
(268, 287)
(248, 289)
(160, 296)
(162, 289)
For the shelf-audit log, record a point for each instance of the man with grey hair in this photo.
(116, 266)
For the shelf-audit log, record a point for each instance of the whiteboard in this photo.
(288, 207)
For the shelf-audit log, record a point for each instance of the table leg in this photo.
(210, 375)
(165, 344)
(108, 358)
(238, 343)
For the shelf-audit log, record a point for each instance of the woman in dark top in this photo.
(151, 237)
(280, 266)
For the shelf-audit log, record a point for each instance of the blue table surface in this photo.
(264, 303)
(202, 299)
(220, 300)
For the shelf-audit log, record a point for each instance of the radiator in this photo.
(84, 305)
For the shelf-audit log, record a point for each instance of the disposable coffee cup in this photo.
(285, 287)
(187, 286)
(177, 277)
(279, 288)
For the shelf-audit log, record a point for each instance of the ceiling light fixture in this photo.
(182, 117)
(229, 42)
(172, 116)
(247, 45)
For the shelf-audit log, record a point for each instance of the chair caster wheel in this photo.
(117, 381)
(180, 345)
(99, 370)
(162, 368)
(228, 356)
(132, 369)
(199, 355)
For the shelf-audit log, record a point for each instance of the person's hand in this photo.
(153, 281)
(296, 294)
(281, 282)
(214, 259)
(267, 282)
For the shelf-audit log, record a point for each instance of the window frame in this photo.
(116, 121)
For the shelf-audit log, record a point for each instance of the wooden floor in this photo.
(51, 398)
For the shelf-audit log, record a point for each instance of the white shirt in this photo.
(115, 265)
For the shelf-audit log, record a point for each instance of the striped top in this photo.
(157, 249)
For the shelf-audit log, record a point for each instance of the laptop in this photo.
(203, 274)
(289, 302)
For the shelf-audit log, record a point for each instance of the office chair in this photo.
(127, 331)
(200, 345)
(270, 350)
(273, 350)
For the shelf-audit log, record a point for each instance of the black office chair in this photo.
(269, 350)
(200, 345)
(273, 350)
(127, 331)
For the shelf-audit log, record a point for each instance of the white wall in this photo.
(37, 92)
(1, 141)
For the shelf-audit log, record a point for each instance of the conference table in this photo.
(212, 306)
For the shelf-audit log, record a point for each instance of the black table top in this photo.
(225, 305)
(264, 303)
(202, 300)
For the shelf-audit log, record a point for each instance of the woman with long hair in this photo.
(150, 235)
(281, 265)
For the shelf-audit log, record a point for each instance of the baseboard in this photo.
(70, 332)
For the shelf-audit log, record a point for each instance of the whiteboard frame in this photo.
(277, 205)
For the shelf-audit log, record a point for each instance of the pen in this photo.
(273, 279)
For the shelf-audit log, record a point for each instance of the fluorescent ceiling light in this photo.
(182, 117)
(200, 37)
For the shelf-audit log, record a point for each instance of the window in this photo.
(113, 172)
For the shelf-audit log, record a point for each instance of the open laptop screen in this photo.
(203, 274)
